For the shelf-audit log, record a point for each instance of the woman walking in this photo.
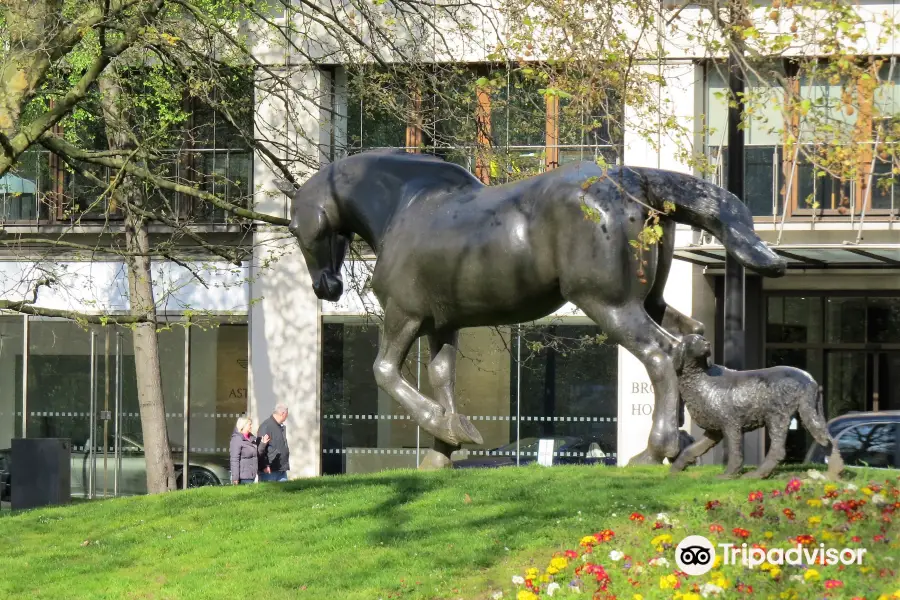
(245, 449)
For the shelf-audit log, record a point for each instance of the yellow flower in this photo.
(559, 562)
(718, 578)
(775, 572)
(531, 573)
(686, 596)
(867, 491)
(811, 575)
(587, 540)
(717, 562)
(814, 520)
(659, 540)
(526, 595)
(790, 594)
(830, 487)
(814, 502)
(827, 535)
(769, 535)
(865, 570)
(544, 578)
(552, 570)
(637, 597)
(766, 567)
(668, 581)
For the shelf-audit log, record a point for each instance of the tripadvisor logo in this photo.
(695, 555)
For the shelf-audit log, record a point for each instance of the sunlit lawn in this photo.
(401, 534)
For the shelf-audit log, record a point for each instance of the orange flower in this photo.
(741, 532)
(636, 516)
(716, 528)
(755, 497)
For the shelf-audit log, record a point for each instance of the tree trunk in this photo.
(160, 469)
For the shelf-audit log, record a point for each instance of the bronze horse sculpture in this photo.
(454, 253)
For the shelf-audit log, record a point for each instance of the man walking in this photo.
(275, 459)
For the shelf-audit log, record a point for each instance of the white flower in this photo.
(552, 588)
(710, 589)
(496, 595)
(615, 555)
(826, 501)
(879, 499)
(659, 561)
(663, 518)
(850, 487)
(518, 580)
(799, 578)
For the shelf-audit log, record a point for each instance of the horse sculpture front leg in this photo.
(397, 335)
(442, 376)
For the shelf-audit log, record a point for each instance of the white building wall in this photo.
(677, 98)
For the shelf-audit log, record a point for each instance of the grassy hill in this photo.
(401, 534)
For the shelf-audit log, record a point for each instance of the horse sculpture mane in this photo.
(453, 253)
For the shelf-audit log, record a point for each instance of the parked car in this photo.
(865, 439)
(567, 450)
(205, 469)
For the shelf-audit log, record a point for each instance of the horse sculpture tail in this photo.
(717, 211)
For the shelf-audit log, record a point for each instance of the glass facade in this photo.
(767, 169)
(849, 344)
(516, 385)
(82, 385)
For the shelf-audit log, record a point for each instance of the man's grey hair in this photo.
(280, 408)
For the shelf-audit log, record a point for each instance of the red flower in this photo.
(789, 514)
(716, 528)
(755, 497)
(776, 493)
(740, 532)
(635, 516)
(793, 486)
(658, 525)
(605, 535)
(804, 539)
(878, 538)
(856, 539)
(571, 554)
(830, 584)
(713, 504)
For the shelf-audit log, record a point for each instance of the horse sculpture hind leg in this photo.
(398, 333)
(630, 326)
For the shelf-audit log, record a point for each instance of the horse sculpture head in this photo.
(324, 247)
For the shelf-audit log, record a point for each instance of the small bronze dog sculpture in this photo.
(727, 403)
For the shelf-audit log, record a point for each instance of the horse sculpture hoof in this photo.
(645, 458)
(453, 428)
(435, 461)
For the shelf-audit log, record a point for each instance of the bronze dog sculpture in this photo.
(453, 253)
(727, 403)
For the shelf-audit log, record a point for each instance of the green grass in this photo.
(401, 534)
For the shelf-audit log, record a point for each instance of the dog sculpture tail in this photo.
(717, 211)
(812, 413)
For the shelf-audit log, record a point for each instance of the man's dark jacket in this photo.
(276, 455)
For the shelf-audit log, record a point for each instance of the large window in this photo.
(849, 344)
(82, 385)
(498, 123)
(204, 149)
(516, 385)
(806, 173)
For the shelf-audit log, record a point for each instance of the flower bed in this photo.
(786, 543)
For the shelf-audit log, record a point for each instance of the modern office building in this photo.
(835, 314)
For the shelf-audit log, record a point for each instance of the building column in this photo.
(679, 98)
(285, 336)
